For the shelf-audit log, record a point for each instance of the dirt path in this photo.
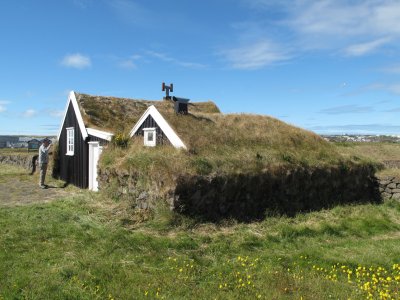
(17, 187)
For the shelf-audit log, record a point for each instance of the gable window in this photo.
(70, 141)
(149, 137)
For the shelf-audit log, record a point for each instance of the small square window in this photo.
(149, 137)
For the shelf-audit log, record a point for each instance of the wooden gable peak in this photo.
(162, 123)
(72, 99)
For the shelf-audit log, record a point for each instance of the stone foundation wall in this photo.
(391, 164)
(252, 197)
(25, 161)
(248, 197)
(121, 184)
(389, 187)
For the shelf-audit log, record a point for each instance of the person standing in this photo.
(43, 161)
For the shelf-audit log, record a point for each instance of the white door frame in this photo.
(94, 154)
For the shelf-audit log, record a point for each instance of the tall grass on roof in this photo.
(121, 114)
(224, 144)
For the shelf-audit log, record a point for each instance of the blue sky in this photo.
(331, 66)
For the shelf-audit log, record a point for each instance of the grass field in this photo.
(13, 151)
(86, 247)
(375, 151)
(378, 152)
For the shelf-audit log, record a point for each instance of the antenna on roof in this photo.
(167, 88)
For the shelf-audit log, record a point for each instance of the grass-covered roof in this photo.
(216, 142)
(121, 114)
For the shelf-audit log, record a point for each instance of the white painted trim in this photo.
(72, 99)
(93, 183)
(100, 134)
(153, 142)
(70, 129)
(165, 127)
(91, 145)
(141, 120)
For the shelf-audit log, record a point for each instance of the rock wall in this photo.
(142, 193)
(391, 164)
(248, 197)
(252, 197)
(389, 187)
(26, 161)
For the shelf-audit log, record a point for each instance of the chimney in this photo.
(180, 105)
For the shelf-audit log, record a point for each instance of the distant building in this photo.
(18, 145)
(34, 144)
(25, 139)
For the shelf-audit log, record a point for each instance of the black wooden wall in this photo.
(151, 123)
(73, 169)
(101, 141)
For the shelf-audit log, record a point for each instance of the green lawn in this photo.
(378, 152)
(87, 247)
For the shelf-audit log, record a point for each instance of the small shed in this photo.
(34, 144)
(181, 105)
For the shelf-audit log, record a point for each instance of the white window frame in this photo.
(148, 132)
(70, 141)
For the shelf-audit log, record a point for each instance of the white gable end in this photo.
(162, 123)
(72, 99)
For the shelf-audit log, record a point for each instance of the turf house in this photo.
(203, 162)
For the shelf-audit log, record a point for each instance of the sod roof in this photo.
(239, 140)
(121, 114)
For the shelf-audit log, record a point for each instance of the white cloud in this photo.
(386, 17)
(365, 48)
(396, 109)
(392, 69)
(334, 24)
(347, 109)
(133, 13)
(255, 56)
(83, 4)
(392, 87)
(3, 107)
(130, 62)
(56, 113)
(77, 61)
(347, 18)
(166, 58)
(328, 17)
(29, 113)
(127, 64)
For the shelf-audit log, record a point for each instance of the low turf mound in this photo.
(237, 166)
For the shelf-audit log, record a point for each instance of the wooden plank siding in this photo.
(151, 123)
(101, 141)
(73, 169)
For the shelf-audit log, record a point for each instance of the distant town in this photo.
(21, 142)
(362, 138)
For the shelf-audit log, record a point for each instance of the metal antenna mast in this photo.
(167, 89)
